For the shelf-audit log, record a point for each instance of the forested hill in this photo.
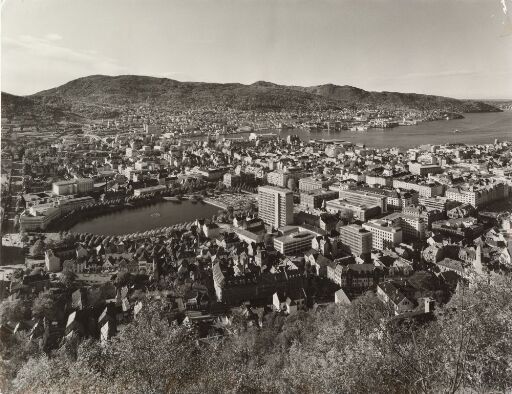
(95, 93)
(35, 111)
(350, 95)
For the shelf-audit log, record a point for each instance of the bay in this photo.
(475, 128)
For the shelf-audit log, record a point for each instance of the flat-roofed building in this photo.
(68, 204)
(356, 239)
(278, 178)
(368, 197)
(413, 225)
(437, 202)
(314, 183)
(425, 189)
(417, 168)
(43, 212)
(275, 206)
(314, 199)
(358, 211)
(380, 180)
(478, 195)
(149, 190)
(38, 218)
(73, 186)
(294, 243)
(384, 234)
(63, 187)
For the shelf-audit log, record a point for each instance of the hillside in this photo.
(35, 111)
(103, 96)
(349, 94)
(135, 90)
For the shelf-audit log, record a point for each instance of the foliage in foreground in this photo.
(358, 348)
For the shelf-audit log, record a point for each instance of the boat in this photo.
(456, 131)
(172, 199)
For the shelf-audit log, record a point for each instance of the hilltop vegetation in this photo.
(358, 348)
(100, 96)
(136, 90)
(349, 95)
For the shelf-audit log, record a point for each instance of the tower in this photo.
(275, 206)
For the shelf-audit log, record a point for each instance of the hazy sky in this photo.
(458, 48)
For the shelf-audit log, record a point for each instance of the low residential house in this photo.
(289, 302)
(433, 253)
(192, 299)
(76, 266)
(73, 325)
(51, 261)
(145, 267)
(81, 252)
(107, 266)
(340, 297)
(324, 245)
(227, 240)
(401, 267)
(79, 299)
(137, 309)
(254, 225)
(469, 254)
(211, 230)
(395, 295)
(318, 263)
(130, 266)
(356, 277)
(461, 211)
(459, 267)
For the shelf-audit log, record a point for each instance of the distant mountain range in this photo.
(103, 96)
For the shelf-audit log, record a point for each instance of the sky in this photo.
(456, 48)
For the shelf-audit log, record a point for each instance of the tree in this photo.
(37, 248)
(45, 305)
(230, 212)
(13, 311)
(67, 278)
(123, 278)
(24, 238)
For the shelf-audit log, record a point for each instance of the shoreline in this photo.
(161, 215)
(475, 129)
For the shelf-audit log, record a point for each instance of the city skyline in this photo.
(292, 43)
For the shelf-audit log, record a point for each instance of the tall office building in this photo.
(356, 239)
(275, 206)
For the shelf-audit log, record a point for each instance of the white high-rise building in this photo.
(275, 206)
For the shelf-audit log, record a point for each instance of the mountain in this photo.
(104, 96)
(350, 94)
(113, 92)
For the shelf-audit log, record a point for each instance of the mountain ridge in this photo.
(102, 95)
